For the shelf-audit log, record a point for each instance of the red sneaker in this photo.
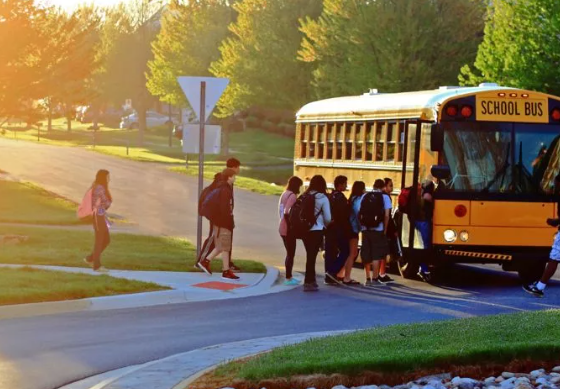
(229, 275)
(234, 268)
(204, 265)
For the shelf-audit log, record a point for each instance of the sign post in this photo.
(203, 94)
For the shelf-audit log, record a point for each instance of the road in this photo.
(161, 202)
(48, 352)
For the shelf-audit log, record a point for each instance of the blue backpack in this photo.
(211, 205)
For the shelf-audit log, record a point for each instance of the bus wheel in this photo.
(407, 268)
(531, 271)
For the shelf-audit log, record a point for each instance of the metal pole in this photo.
(201, 163)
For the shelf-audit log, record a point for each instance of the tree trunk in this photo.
(68, 122)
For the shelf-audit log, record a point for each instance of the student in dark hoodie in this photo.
(223, 225)
(208, 244)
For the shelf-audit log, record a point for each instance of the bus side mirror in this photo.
(436, 138)
(441, 172)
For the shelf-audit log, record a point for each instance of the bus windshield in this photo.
(491, 157)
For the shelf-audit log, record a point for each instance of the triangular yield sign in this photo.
(191, 86)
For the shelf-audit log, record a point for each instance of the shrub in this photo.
(275, 119)
(267, 126)
(259, 115)
(289, 130)
(235, 126)
(253, 122)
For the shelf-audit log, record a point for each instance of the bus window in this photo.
(312, 138)
(359, 144)
(369, 128)
(390, 153)
(401, 139)
(379, 156)
(321, 141)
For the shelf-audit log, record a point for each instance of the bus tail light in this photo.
(464, 236)
(555, 114)
(451, 110)
(460, 210)
(466, 111)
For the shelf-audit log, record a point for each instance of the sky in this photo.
(70, 5)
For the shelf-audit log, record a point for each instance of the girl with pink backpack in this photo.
(96, 202)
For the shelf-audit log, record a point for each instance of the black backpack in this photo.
(302, 217)
(372, 211)
(210, 206)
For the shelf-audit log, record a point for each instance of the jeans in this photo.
(425, 229)
(102, 240)
(337, 249)
(290, 246)
(312, 243)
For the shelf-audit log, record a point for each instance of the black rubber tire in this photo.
(531, 271)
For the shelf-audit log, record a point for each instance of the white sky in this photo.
(70, 5)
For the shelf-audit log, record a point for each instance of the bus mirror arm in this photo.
(436, 138)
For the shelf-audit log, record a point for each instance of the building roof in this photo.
(405, 105)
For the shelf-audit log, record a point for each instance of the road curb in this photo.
(137, 300)
(180, 370)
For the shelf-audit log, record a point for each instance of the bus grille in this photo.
(501, 257)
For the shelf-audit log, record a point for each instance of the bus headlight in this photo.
(464, 236)
(450, 236)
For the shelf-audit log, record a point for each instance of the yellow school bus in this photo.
(492, 151)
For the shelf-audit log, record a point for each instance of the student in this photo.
(423, 223)
(313, 238)
(390, 233)
(374, 242)
(223, 225)
(537, 288)
(235, 164)
(286, 202)
(338, 232)
(354, 206)
(101, 198)
(208, 244)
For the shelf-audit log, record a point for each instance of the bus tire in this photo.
(531, 271)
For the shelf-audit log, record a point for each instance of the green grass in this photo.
(242, 181)
(402, 348)
(67, 247)
(27, 285)
(28, 203)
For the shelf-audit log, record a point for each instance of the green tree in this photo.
(394, 45)
(21, 36)
(186, 45)
(520, 47)
(67, 59)
(260, 56)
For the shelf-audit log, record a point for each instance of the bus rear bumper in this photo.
(489, 254)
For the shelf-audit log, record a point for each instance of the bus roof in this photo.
(406, 105)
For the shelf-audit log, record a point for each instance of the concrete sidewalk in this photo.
(186, 287)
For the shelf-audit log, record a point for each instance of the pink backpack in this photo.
(85, 209)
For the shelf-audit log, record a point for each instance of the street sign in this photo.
(191, 87)
(191, 139)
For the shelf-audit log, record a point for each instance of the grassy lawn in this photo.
(405, 348)
(243, 181)
(28, 203)
(27, 285)
(67, 247)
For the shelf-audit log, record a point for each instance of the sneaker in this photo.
(311, 288)
(425, 276)
(205, 266)
(234, 268)
(229, 275)
(533, 289)
(368, 282)
(101, 269)
(385, 279)
(88, 260)
(351, 282)
(330, 279)
(291, 282)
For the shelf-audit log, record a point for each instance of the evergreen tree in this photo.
(393, 46)
(520, 48)
(260, 56)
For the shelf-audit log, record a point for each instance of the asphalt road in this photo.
(50, 351)
(159, 201)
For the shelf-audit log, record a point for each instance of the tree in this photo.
(67, 59)
(186, 45)
(260, 56)
(21, 37)
(126, 37)
(520, 48)
(394, 45)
